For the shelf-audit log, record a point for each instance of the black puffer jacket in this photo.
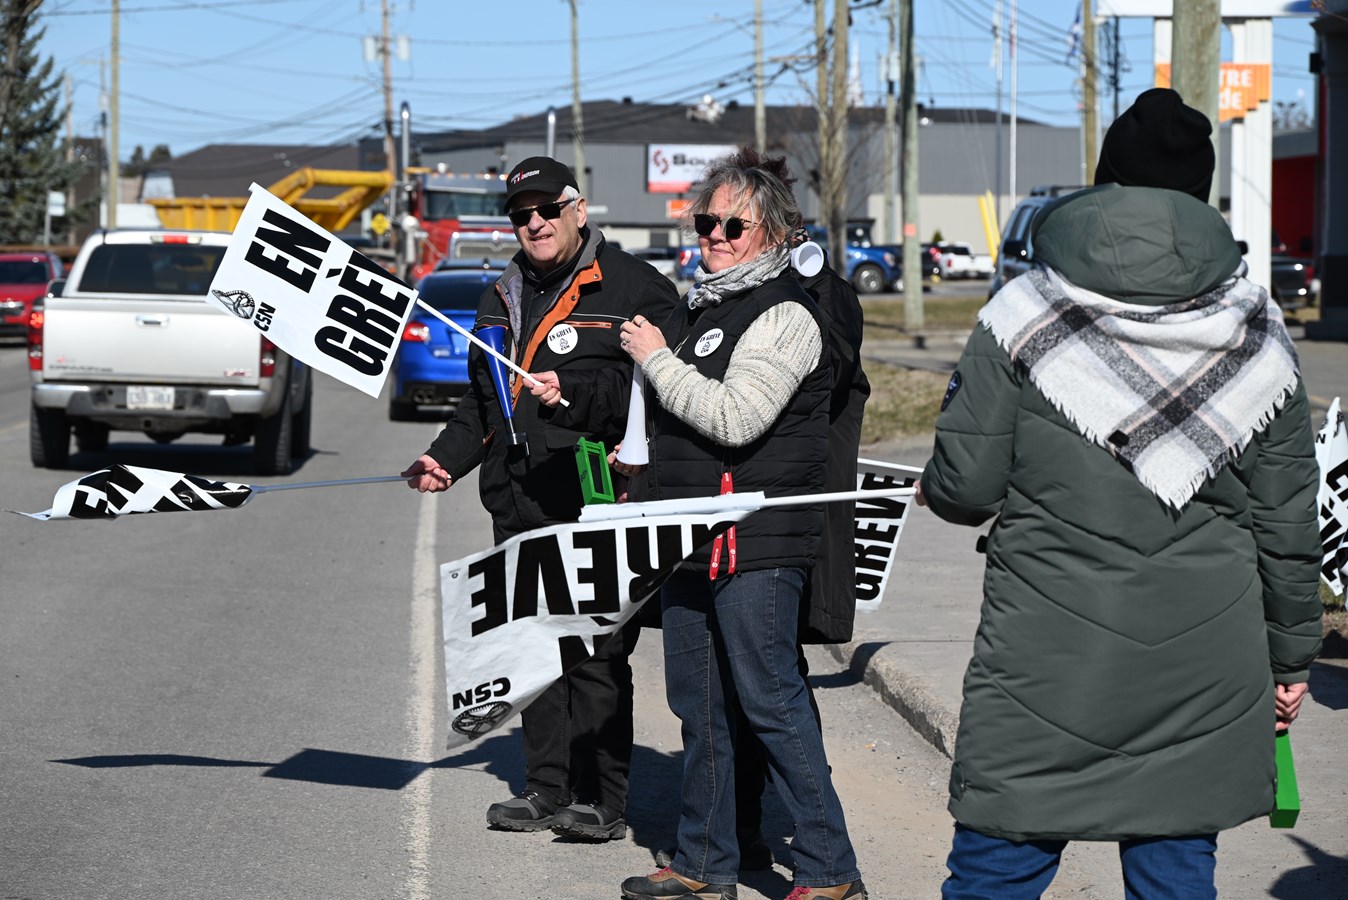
(571, 326)
(787, 459)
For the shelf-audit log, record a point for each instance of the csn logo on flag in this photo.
(312, 295)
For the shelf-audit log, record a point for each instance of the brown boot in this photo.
(667, 884)
(853, 890)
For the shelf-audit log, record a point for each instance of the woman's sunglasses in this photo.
(521, 217)
(705, 223)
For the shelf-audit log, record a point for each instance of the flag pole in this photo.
(377, 479)
(476, 340)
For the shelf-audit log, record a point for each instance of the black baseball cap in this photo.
(538, 173)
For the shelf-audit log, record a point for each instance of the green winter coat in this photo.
(1123, 670)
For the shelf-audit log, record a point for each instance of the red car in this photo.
(24, 278)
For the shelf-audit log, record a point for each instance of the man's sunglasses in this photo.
(521, 217)
(733, 227)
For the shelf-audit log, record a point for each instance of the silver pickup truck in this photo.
(130, 342)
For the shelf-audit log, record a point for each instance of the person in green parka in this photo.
(1130, 415)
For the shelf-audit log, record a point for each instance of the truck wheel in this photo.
(401, 410)
(91, 437)
(48, 437)
(272, 441)
(868, 279)
(301, 428)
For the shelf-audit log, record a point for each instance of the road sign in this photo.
(379, 224)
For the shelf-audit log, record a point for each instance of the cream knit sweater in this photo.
(772, 358)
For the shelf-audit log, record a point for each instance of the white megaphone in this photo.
(633, 452)
(807, 259)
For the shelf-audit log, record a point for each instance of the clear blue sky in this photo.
(196, 72)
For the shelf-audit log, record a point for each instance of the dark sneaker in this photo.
(530, 811)
(756, 857)
(667, 884)
(590, 820)
(853, 890)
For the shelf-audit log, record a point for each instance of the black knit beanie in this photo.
(1159, 142)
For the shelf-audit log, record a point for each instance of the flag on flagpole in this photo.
(130, 490)
(311, 294)
(1331, 452)
(518, 616)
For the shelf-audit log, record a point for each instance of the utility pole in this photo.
(385, 49)
(1195, 65)
(912, 249)
(821, 114)
(891, 128)
(1089, 126)
(835, 175)
(577, 124)
(114, 173)
(760, 111)
(70, 157)
(997, 153)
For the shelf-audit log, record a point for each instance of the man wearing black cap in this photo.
(561, 300)
(1130, 416)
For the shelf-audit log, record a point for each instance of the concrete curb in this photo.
(903, 690)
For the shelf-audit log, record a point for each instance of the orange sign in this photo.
(1242, 88)
(674, 209)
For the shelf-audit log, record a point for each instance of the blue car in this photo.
(869, 269)
(431, 368)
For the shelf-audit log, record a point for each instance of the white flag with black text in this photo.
(517, 616)
(130, 490)
(1331, 452)
(311, 294)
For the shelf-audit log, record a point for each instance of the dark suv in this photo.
(1016, 253)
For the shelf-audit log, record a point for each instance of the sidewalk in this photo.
(913, 652)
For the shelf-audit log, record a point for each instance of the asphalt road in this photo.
(249, 703)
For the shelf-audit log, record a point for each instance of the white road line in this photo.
(420, 722)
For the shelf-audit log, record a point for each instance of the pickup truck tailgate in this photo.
(164, 340)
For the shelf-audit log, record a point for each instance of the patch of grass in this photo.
(903, 402)
(953, 313)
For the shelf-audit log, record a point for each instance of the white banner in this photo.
(311, 294)
(1331, 452)
(520, 614)
(880, 522)
(130, 490)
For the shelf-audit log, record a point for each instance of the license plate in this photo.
(149, 397)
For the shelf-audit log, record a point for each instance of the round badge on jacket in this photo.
(709, 342)
(562, 339)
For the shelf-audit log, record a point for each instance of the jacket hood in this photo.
(1136, 244)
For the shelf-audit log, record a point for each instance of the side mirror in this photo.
(1014, 249)
(56, 287)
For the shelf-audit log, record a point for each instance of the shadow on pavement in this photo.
(1325, 878)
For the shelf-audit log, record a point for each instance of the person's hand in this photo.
(425, 475)
(640, 338)
(622, 468)
(1287, 703)
(919, 498)
(549, 388)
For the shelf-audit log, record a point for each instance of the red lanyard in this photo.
(726, 538)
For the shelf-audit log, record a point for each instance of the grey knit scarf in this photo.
(1173, 392)
(710, 288)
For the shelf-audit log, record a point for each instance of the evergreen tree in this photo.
(31, 160)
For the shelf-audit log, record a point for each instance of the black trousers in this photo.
(578, 733)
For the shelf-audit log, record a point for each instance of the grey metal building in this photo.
(956, 150)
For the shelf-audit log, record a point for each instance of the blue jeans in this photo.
(735, 638)
(983, 867)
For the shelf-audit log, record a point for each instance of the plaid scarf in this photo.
(710, 288)
(1173, 392)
